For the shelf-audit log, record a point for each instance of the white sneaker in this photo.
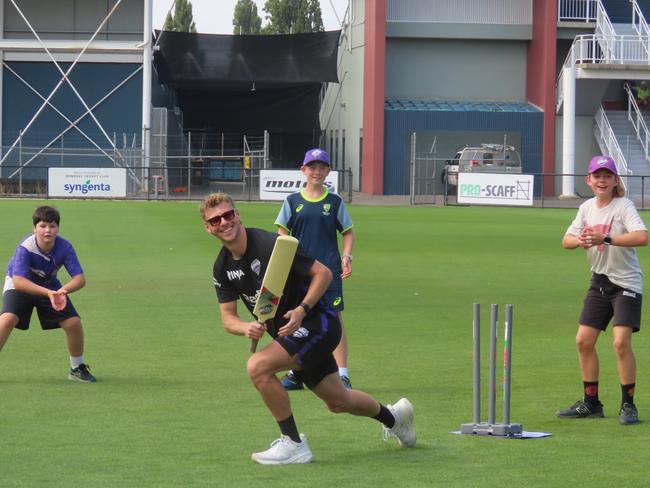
(285, 451)
(403, 430)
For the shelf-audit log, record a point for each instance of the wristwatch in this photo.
(306, 307)
(608, 240)
(349, 256)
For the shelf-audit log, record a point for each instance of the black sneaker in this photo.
(628, 414)
(81, 373)
(582, 410)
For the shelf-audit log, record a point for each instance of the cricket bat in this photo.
(274, 280)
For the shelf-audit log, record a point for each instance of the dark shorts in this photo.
(313, 344)
(333, 297)
(22, 305)
(605, 301)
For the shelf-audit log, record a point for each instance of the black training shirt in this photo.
(234, 279)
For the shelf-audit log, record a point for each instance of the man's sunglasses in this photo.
(227, 216)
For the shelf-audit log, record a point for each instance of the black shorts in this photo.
(22, 305)
(313, 345)
(605, 301)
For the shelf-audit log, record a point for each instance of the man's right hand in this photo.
(255, 330)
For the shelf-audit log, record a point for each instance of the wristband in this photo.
(349, 256)
(306, 307)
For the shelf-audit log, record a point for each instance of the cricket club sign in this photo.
(277, 184)
(86, 182)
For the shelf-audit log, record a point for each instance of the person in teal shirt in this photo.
(315, 216)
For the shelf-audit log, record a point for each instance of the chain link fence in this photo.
(177, 180)
(434, 173)
(431, 185)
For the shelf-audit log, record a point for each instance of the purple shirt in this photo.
(40, 267)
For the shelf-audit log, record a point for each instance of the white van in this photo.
(489, 158)
(486, 158)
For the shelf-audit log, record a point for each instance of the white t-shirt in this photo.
(619, 264)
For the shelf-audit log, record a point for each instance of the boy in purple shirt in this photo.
(31, 282)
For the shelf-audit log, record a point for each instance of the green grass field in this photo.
(173, 405)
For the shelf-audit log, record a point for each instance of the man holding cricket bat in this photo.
(305, 333)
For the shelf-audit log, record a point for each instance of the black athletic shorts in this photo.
(22, 305)
(605, 301)
(313, 345)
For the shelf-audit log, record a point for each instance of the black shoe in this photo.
(582, 410)
(81, 373)
(628, 414)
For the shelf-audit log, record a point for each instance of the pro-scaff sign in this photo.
(277, 184)
(495, 189)
(87, 182)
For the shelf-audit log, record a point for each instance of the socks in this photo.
(591, 392)
(343, 372)
(288, 428)
(75, 361)
(385, 417)
(627, 393)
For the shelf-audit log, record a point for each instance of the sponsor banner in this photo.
(495, 189)
(277, 184)
(86, 182)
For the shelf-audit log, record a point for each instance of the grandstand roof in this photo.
(459, 106)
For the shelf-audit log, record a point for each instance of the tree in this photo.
(183, 19)
(292, 16)
(246, 20)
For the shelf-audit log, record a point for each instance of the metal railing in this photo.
(635, 116)
(639, 23)
(175, 179)
(577, 10)
(605, 135)
(541, 200)
(588, 49)
(605, 46)
(604, 28)
(585, 49)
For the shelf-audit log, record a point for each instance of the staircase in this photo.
(632, 46)
(631, 148)
(610, 48)
(616, 51)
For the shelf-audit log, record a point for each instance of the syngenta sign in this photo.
(84, 188)
(277, 184)
(87, 182)
(495, 189)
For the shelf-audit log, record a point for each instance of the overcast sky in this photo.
(215, 16)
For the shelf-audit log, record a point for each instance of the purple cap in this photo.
(316, 155)
(602, 162)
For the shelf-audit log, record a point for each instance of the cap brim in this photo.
(606, 169)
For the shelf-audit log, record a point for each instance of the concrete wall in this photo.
(476, 12)
(586, 148)
(342, 109)
(447, 69)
